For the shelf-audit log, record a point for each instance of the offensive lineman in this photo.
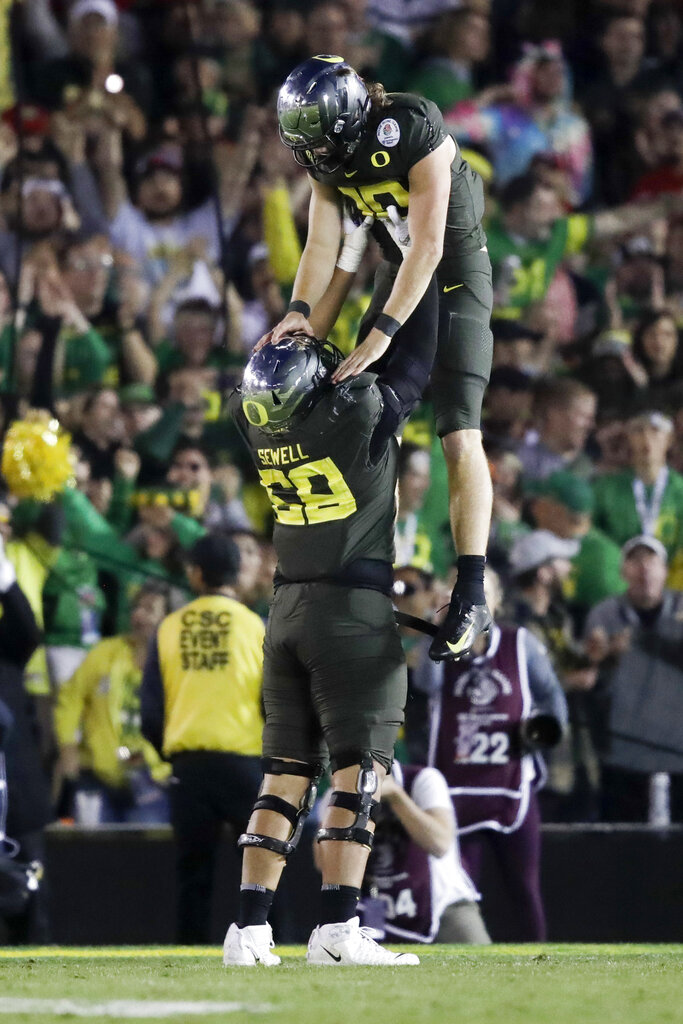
(334, 672)
(389, 157)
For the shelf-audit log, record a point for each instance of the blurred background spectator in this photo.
(635, 639)
(116, 775)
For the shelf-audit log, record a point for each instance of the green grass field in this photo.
(548, 984)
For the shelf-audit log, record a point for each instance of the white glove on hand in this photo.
(355, 241)
(7, 574)
(397, 226)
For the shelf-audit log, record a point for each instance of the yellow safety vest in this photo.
(211, 661)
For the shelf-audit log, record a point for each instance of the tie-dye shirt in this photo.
(515, 132)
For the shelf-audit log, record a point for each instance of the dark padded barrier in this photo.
(601, 884)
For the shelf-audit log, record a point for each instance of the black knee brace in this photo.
(361, 802)
(295, 816)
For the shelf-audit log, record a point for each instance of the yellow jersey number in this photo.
(373, 200)
(314, 492)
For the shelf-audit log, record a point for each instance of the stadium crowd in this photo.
(151, 225)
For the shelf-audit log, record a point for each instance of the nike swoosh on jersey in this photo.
(337, 958)
(349, 174)
(458, 646)
(451, 287)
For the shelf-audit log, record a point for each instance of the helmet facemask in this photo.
(322, 110)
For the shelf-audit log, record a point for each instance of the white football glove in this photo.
(397, 226)
(355, 241)
(7, 574)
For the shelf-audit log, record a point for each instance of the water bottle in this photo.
(659, 810)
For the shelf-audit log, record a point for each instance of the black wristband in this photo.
(299, 306)
(387, 324)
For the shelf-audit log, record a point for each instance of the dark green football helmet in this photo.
(322, 109)
(282, 382)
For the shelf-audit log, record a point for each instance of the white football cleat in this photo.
(348, 943)
(245, 947)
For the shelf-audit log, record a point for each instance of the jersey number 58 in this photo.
(314, 492)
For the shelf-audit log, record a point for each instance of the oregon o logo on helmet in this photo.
(256, 413)
(388, 132)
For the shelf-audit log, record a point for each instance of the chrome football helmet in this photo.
(282, 382)
(322, 109)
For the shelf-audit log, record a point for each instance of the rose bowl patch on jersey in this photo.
(388, 132)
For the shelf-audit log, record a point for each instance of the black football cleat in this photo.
(461, 627)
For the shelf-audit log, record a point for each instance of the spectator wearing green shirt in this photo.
(194, 341)
(86, 264)
(563, 505)
(56, 350)
(460, 40)
(530, 238)
(413, 544)
(646, 498)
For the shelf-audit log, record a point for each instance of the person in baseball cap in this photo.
(105, 8)
(647, 542)
(159, 186)
(563, 504)
(515, 344)
(647, 496)
(651, 418)
(538, 548)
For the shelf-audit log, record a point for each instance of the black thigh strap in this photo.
(277, 766)
(352, 802)
(268, 802)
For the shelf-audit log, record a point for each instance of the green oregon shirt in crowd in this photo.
(596, 571)
(433, 517)
(617, 515)
(170, 358)
(523, 270)
(86, 358)
(437, 80)
(331, 504)
(90, 545)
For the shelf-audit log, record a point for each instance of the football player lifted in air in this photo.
(389, 157)
(334, 677)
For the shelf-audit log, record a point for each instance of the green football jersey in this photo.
(376, 177)
(616, 513)
(528, 267)
(331, 504)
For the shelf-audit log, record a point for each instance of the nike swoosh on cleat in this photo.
(337, 958)
(457, 647)
(451, 287)
(348, 174)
